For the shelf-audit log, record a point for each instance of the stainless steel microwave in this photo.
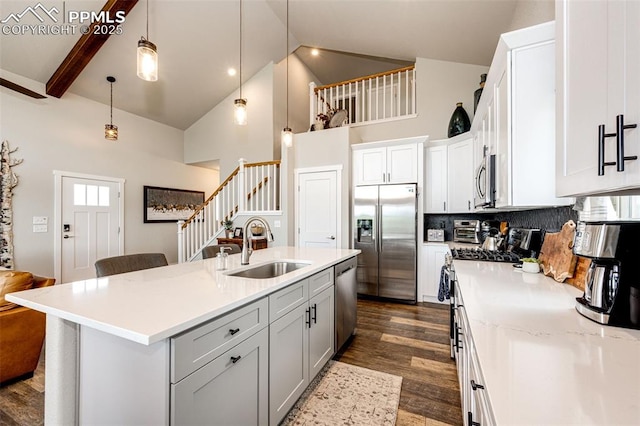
(484, 192)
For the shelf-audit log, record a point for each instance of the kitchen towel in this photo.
(443, 290)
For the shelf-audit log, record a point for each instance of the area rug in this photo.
(344, 394)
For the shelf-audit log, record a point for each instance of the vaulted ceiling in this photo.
(198, 40)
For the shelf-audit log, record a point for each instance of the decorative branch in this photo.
(8, 181)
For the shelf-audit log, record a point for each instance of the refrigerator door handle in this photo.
(379, 230)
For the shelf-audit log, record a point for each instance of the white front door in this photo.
(318, 209)
(89, 226)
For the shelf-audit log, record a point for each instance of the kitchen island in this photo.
(541, 362)
(114, 343)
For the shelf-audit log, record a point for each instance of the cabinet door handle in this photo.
(315, 313)
(469, 204)
(308, 317)
(475, 385)
(444, 206)
(620, 128)
(601, 163)
(235, 359)
(233, 331)
(470, 418)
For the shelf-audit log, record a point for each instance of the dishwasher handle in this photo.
(344, 271)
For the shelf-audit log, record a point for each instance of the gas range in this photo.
(484, 255)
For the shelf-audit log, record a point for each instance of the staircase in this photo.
(251, 188)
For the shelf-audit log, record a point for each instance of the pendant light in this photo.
(111, 131)
(240, 104)
(286, 137)
(147, 56)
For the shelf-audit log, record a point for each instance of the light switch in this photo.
(39, 228)
(40, 220)
(276, 224)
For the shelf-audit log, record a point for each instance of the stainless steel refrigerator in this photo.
(385, 230)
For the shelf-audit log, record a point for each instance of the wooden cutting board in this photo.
(556, 256)
(580, 273)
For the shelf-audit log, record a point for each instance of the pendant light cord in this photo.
(147, 19)
(111, 105)
(240, 72)
(287, 56)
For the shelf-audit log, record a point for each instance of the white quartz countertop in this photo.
(154, 304)
(542, 362)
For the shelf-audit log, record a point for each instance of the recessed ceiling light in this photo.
(231, 71)
(315, 52)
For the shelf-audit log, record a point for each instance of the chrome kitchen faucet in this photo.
(246, 248)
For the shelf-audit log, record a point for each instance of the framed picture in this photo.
(237, 233)
(170, 205)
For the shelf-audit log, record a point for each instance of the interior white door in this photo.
(90, 225)
(318, 209)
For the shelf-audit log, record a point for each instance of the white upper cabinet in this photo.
(384, 164)
(435, 184)
(370, 166)
(598, 80)
(516, 118)
(449, 176)
(460, 176)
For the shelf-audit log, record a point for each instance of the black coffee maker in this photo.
(612, 284)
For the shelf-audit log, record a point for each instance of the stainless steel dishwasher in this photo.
(346, 291)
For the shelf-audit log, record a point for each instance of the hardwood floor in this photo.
(22, 403)
(411, 341)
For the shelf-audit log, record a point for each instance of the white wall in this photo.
(68, 134)
(532, 12)
(440, 85)
(216, 137)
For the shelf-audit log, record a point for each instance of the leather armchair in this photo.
(21, 338)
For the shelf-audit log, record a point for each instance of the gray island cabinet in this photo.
(205, 348)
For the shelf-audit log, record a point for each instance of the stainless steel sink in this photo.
(269, 270)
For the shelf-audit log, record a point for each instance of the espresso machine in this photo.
(612, 284)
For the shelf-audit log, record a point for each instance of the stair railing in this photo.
(250, 188)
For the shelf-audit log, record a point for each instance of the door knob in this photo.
(67, 236)
(331, 237)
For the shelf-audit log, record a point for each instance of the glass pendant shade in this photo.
(147, 60)
(240, 112)
(110, 132)
(286, 137)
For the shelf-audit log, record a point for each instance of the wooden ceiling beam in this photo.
(83, 51)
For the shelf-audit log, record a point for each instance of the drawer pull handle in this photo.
(235, 359)
(475, 385)
(233, 331)
(601, 163)
(620, 128)
(315, 313)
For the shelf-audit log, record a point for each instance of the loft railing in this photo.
(249, 188)
(379, 97)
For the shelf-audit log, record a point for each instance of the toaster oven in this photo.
(466, 231)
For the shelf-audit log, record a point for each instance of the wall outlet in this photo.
(276, 224)
(40, 220)
(39, 228)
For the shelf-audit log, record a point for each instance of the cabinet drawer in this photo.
(285, 300)
(320, 281)
(231, 390)
(195, 348)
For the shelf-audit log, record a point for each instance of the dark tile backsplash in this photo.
(549, 219)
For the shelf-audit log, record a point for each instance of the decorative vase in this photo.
(459, 122)
(229, 233)
(478, 92)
